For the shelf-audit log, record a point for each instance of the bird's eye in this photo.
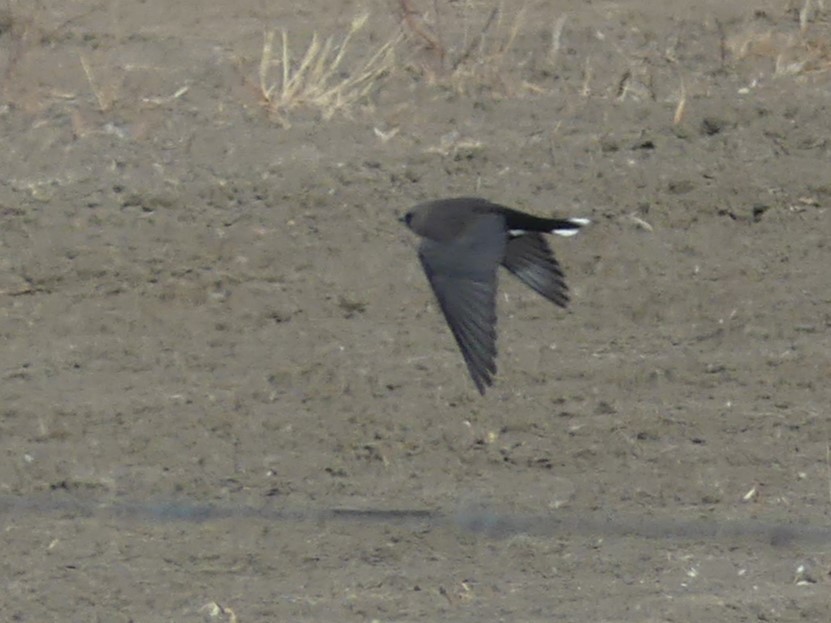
(408, 217)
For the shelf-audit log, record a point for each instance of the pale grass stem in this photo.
(556, 39)
(681, 108)
(104, 103)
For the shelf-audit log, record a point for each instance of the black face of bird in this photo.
(415, 219)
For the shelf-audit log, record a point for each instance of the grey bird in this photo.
(465, 239)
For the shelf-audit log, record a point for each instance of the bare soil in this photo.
(215, 332)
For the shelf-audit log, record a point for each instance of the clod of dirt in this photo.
(710, 126)
(758, 211)
(680, 187)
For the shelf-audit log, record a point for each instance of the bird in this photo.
(464, 240)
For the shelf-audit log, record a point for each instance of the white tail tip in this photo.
(580, 222)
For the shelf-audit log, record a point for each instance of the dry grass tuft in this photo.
(803, 52)
(486, 59)
(792, 54)
(21, 34)
(105, 97)
(213, 611)
(485, 56)
(316, 78)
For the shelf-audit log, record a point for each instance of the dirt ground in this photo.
(215, 333)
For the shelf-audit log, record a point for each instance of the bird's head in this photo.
(407, 219)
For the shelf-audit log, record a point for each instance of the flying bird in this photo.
(464, 240)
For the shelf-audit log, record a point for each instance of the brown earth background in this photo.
(215, 332)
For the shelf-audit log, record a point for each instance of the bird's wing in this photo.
(529, 258)
(462, 273)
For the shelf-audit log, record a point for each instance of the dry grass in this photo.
(485, 55)
(316, 79)
(791, 54)
(21, 33)
(488, 60)
(213, 611)
(104, 97)
(801, 52)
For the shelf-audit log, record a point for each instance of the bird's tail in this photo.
(520, 223)
(568, 226)
(560, 226)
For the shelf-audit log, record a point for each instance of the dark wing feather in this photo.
(462, 273)
(529, 258)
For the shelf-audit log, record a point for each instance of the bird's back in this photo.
(448, 219)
